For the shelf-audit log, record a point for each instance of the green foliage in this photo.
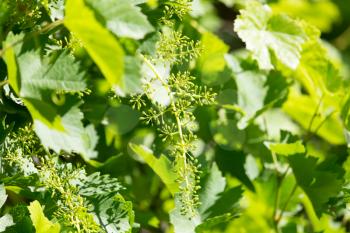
(69, 187)
(174, 116)
(55, 115)
(217, 205)
(180, 93)
(6, 220)
(310, 11)
(161, 166)
(270, 36)
(40, 222)
(174, 47)
(324, 123)
(319, 181)
(175, 9)
(287, 148)
(122, 18)
(108, 53)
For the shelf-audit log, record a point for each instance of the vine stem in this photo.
(278, 218)
(172, 103)
(289, 198)
(276, 203)
(277, 196)
(314, 115)
(310, 211)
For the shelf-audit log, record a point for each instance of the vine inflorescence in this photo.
(175, 8)
(23, 151)
(175, 48)
(176, 124)
(173, 115)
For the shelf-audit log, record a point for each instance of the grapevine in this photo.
(175, 116)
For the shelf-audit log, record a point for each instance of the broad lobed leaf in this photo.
(270, 36)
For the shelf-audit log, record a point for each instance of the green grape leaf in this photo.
(11, 62)
(213, 184)
(286, 148)
(112, 212)
(319, 181)
(326, 124)
(224, 209)
(257, 92)
(137, 2)
(270, 36)
(59, 73)
(316, 71)
(74, 137)
(107, 53)
(226, 203)
(212, 222)
(132, 77)
(251, 93)
(227, 135)
(255, 142)
(233, 163)
(121, 119)
(21, 217)
(181, 223)
(212, 59)
(122, 18)
(97, 184)
(57, 120)
(40, 222)
(161, 166)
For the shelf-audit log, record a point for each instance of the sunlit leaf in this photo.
(122, 17)
(267, 36)
(286, 148)
(57, 120)
(319, 13)
(107, 53)
(40, 222)
(316, 71)
(161, 166)
(327, 124)
(212, 57)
